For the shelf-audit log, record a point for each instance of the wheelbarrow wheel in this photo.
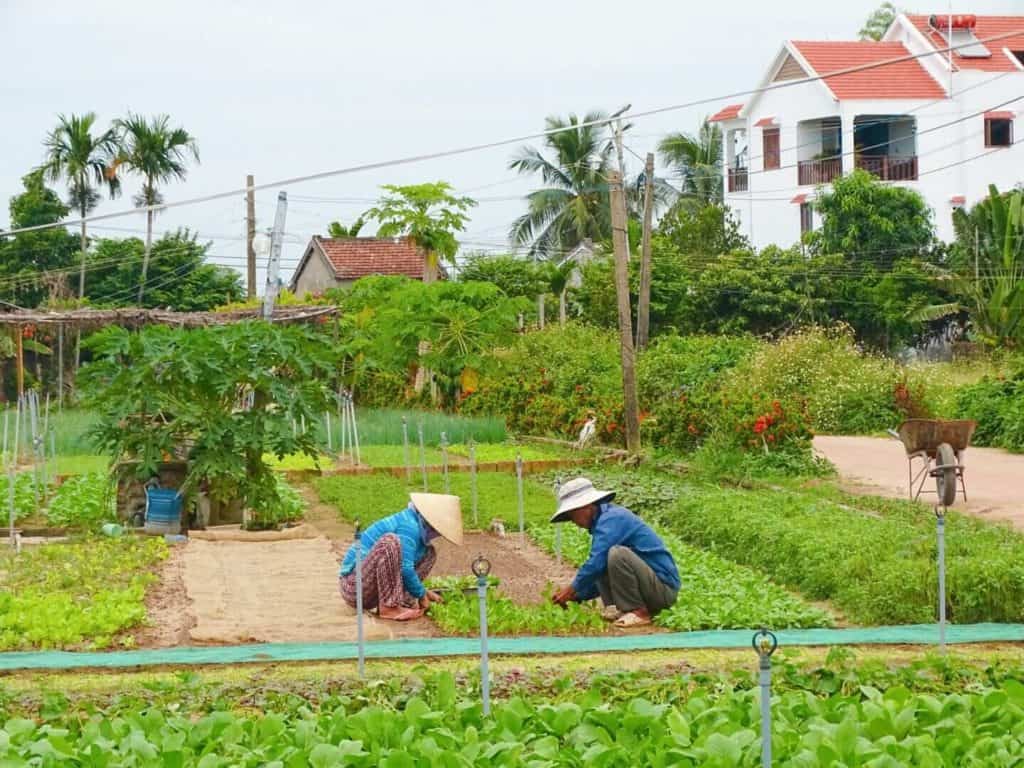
(945, 474)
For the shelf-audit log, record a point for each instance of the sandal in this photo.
(406, 614)
(630, 620)
(611, 613)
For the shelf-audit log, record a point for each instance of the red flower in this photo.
(760, 425)
(692, 429)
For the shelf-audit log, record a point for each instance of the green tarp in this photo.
(917, 634)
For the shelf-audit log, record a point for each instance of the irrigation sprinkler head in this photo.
(357, 531)
(481, 567)
(764, 643)
(940, 511)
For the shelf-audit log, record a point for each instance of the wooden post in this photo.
(627, 353)
(19, 346)
(643, 310)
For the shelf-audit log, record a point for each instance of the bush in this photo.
(842, 389)
(679, 378)
(997, 404)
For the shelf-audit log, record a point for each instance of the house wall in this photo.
(952, 157)
(316, 276)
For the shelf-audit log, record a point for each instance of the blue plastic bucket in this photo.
(163, 510)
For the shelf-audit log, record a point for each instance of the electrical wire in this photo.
(519, 139)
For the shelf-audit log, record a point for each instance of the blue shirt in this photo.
(617, 526)
(408, 526)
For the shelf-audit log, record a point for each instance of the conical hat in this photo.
(442, 512)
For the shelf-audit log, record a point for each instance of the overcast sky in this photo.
(282, 89)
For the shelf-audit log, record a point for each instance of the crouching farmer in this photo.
(628, 566)
(397, 555)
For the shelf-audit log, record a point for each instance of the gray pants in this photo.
(629, 583)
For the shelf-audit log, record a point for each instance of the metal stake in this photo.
(423, 455)
(359, 602)
(519, 494)
(481, 568)
(940, 527)
(444, 460)
(472, 481)
(765, 643)
(405, 450)
(558, 528)
(355, 429)
(330, 437)
(11, 469)
(344, 425)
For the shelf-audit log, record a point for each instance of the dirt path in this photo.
(879, 465)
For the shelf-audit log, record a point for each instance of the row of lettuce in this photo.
(832, 715)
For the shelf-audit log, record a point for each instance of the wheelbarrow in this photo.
(940, 446)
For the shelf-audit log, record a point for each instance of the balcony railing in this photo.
(738, 179)
(889, 168)
(819, 171)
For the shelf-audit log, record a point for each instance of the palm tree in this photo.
(87, 162)
(573, 204)
(158, 153)
(697, 158)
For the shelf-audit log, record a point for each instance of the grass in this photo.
(71, 429)
(509, 451)
(371, 497)
(80, 464)
(384, 427)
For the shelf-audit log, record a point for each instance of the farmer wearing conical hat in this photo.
(629, 566)
(397, 555)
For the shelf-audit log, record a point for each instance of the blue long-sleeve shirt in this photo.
(408, 526)
(617, 526)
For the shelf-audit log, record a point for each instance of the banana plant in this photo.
(991, 284)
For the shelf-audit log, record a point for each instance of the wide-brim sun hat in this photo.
(578, 493)
(442, 512)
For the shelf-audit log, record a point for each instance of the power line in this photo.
(526, 137)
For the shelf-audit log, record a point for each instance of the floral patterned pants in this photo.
(382, 575)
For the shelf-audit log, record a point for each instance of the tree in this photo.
(339, 230)
(884, 236)
(697, 159)
(559, 276)
(87, 162)
(879, 22)
(987, 269)
(158, 153)
(180, 278)
(429, 215)
(228, 395)
(573, 204)
(514, 275)
(34, 265)
(708, 230)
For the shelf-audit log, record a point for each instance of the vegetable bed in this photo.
(77, 594)
(874, 558)
(433, 720)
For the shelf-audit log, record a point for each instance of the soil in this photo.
(523, 569)
(168, 608)
(878, 466)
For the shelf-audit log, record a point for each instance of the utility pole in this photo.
(627, 353)
(250, 235)
(643, 307)
(622, 162)
(274, 265)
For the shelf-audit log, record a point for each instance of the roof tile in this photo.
(730, 112)
(356, 257)
(902, 79)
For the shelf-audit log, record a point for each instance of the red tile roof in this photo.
(356, 257)
(985, 27)
(800, 199)
(905, 79)
(765, 122)
(730, 112)
(999, 115)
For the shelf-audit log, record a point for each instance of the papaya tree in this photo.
(224, 396)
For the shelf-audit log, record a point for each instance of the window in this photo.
(1019, 55)
(806, 218)
(998, 132)
(772, 153)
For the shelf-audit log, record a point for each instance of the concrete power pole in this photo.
(250, 235)
(627, 353)
(643, 307)
(274, 265)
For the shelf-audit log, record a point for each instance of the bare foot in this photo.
(398, 613)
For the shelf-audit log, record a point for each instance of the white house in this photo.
(945, 128)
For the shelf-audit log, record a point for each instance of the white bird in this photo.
(587, 433)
